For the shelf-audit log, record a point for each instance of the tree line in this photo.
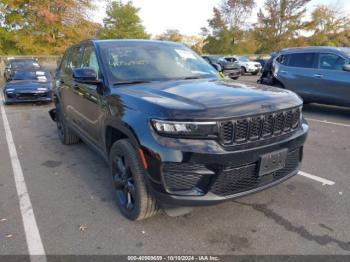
(48, 27)
(280, 24)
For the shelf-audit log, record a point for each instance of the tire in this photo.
(234, 78)
(243, 71)
(255, 73)
(133, 197)
(65, 134)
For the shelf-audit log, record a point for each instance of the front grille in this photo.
(226, 132)
(279, 123)
(234, 180)
(183, 176)
(267, 129)
(241, 130)
(288, 120)
(26, 96)
(260, 127)
(255, 128)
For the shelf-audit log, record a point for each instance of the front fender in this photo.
(122, 127)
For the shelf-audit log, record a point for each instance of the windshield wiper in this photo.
(189, 78)
(131, 82)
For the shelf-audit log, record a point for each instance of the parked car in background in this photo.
(246, 65)
(16, 64)
(231, 70)
(175, 135)
(317, 74)
(28, 86)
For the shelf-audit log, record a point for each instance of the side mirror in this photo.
(217, 67)
(346, 67)
(85, 76)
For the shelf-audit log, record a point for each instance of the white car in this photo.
(246, 65)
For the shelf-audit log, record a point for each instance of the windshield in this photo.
(40, 76)
(243, 59)
(25, 64)
(153, 61)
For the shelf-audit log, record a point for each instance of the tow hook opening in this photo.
(52, 113)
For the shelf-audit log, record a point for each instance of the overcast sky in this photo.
(189, 16)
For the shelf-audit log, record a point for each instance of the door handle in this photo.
(283, 72)
(318, 75)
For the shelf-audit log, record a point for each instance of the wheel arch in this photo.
(116, 131)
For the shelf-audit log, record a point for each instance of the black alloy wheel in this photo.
(124, 183)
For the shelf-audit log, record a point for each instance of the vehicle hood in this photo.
(207, 98)
(19, 85)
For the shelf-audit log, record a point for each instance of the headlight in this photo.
(10, 89)
(186, 129)
(42, 89)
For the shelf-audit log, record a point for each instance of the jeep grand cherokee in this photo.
(173, 132)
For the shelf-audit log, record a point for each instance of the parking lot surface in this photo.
(71, 197)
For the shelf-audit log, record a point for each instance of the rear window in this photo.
(304, 60)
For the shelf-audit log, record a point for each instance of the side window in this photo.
(90, 59)
(64, 62)
(231, 59)
(331, 62)
(304, 60)
(282, 59)
(75, 58)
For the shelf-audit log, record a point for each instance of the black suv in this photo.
(174, 134)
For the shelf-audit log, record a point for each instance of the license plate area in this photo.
(272, 162)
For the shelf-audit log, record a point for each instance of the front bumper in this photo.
(253, 69)
(215, 175)
(22, 97)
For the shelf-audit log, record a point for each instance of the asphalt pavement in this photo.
(71, 198)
